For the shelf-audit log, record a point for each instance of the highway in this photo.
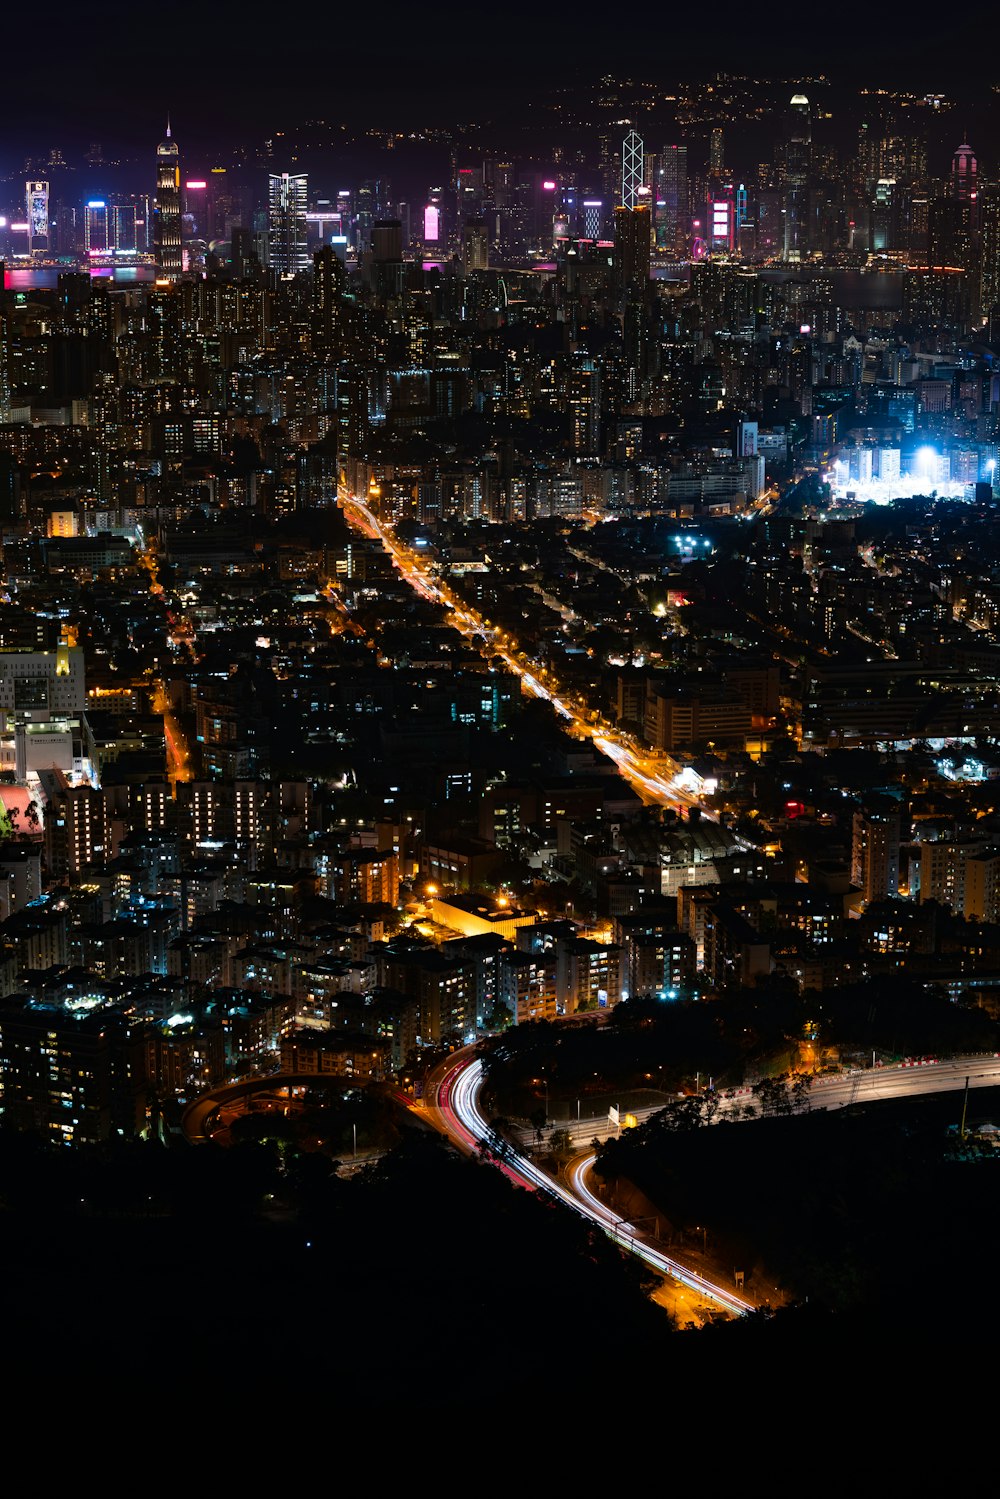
(906, 1080)
(648, 776)
(836, 1091)
(460, 1118)
(457, 1105)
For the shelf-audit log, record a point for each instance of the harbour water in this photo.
(45, 278)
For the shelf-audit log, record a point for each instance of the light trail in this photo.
(635, 767)
(464, 1123)
(460, 1109)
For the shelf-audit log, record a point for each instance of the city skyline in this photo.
(500, 701)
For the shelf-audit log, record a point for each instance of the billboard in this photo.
(36, 199)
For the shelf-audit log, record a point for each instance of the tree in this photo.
(773, 1097)
(679, 1114)
(800, 1092)
(498, 1017)
(561, 1144)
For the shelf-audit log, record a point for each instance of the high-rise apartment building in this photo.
(327, 304)
(583, 402)
(875, 853)
(989, 220)
(167, 210)
(287, 233)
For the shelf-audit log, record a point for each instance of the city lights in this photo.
(500, 645)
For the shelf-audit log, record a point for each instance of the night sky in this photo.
(110, 73)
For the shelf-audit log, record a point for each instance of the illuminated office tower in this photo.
(475, 245)
(632, 168)
(593, 218)
(36, 203)
(124, 230)
(167, 210)
(964, 172)
(287, 231)
(194, 219)
(717, 152)
(672, 194)
(798, 148)
(964, 181)
(432, 222)
(366, 205)
(96, 228)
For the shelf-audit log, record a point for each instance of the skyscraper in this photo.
(633, 247)
(583, 403)
(875, 853)
(632, 169)
(716, 152)
(4, 373)
(287, 236)
(797, 154)
(964, 181)
(593, 217)
(964, 171)
(96, 227)
(989, 300)
(327, 304)
(167, 210)
(475, 245)
(673, 195)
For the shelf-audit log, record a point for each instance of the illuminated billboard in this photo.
(722, 223)
(36, 199)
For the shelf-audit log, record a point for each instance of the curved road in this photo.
(460, 1118)
(459, 1110)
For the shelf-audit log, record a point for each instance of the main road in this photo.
(457, 1108)
(454, 1106)
(645, 773)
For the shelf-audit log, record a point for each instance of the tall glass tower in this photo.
(798, 148)
(167, 210)
(633, 162)
(287, 231)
